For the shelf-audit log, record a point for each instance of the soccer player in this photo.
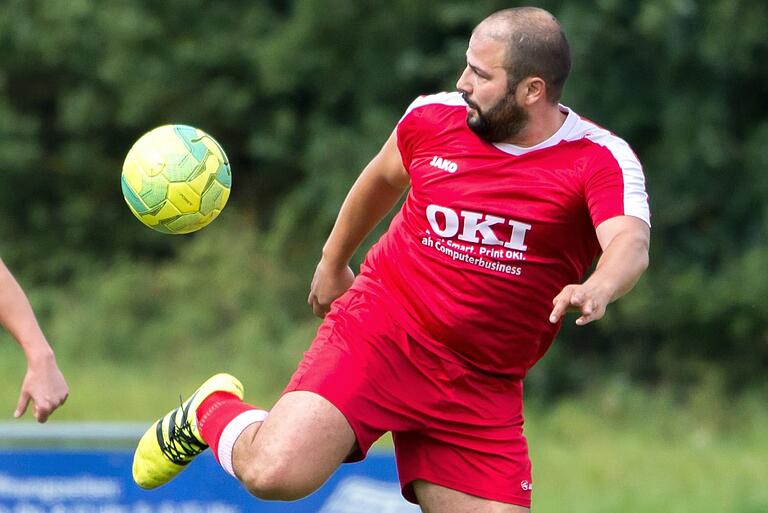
(43, 383)
(512, 196)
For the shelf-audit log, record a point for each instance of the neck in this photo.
(542, 124)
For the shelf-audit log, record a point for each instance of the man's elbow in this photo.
(636, 244)
(643, 250)
(645, 260)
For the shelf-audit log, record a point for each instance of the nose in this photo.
(464, 84)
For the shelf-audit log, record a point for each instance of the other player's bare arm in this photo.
(43, 383)
(625, 241)
(373, 195)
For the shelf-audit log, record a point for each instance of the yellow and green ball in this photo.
(176, 179)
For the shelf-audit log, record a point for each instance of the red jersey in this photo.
(490, 233)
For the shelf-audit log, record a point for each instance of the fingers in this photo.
(42, 412)
(312, 296)
(44, 408)
(21, 406)
(43, 403)
(591, 311)
(561, 304)
(574, 297)
(328, 284)
(588, 308)
(318, 308)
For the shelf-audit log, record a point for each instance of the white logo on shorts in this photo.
(526, 486)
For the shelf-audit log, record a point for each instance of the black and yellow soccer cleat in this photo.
(174, 440)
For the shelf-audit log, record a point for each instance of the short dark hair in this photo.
(536, 46)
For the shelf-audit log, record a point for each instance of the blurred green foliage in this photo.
(301, 94)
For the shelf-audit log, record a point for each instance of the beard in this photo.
(499, 123)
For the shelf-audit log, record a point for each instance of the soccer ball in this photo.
(176, 179)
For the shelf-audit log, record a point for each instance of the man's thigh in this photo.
(302, 441)
(439, 499)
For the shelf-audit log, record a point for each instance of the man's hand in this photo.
(590, 301)
(624, 241)
(45, 386)
(330, 282)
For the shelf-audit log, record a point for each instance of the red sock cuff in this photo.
(214, 413)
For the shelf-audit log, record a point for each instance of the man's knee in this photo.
(304, 439)
(277, 480)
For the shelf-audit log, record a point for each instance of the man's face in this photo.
(492, 111)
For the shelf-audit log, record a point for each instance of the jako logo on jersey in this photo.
(444, 164)
(475, 227)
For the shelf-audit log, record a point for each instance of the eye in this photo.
(480, 76)
(476, 72)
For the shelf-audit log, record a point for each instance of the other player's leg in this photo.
(439, 499)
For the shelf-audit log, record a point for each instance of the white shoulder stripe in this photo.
(452, 99)
(635, 197)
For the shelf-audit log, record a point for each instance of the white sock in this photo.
(231, 433)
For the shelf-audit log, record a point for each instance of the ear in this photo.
(531, 90)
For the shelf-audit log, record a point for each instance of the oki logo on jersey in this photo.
(444, 164)
(475, 227)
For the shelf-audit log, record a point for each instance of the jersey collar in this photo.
(570, 121)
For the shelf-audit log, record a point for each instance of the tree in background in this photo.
(301, 94)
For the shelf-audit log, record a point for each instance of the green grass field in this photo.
(618, 448)
(641, 453)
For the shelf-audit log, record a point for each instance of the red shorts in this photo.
(451, 425)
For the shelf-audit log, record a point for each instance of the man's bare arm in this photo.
(625, 241)
(43, 384)
(373, 195)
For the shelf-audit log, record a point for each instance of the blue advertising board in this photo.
(60, 481)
